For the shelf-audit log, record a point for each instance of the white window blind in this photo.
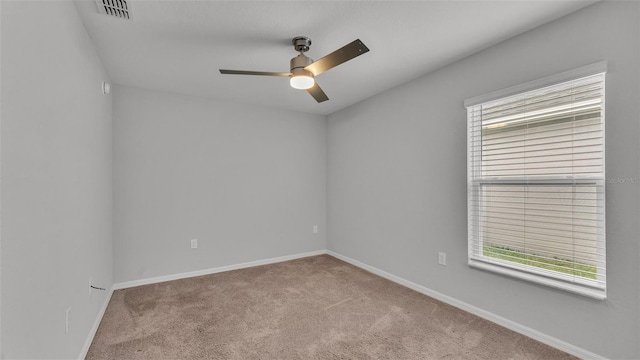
(536, 185)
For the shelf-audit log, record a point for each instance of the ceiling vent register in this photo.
(118, 8)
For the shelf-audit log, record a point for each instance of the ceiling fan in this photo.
(304, 69)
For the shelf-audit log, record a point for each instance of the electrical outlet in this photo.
(315, 229)
(66, 320)
(442, 258)
(194, 243)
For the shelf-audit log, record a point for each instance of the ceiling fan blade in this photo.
(317, 93)
(345, 53)
(244, 72)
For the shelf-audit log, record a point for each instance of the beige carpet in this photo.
(312, 308)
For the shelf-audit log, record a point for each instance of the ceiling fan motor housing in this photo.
(298, 64)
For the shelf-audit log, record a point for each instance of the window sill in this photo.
(594, 293)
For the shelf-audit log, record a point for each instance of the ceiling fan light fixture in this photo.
(302, 82)
(301, 79)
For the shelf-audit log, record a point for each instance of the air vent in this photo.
(118, 8)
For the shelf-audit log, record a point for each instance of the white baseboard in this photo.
(159, 279)
(519, 328)
(94, 328)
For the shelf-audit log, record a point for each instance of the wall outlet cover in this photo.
(66, 320)
(442, 258)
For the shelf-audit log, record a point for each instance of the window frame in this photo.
(586, 287)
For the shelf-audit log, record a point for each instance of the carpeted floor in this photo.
(311, 308)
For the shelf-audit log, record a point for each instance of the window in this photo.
(536, 181)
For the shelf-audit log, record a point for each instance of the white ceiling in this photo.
(178, 46)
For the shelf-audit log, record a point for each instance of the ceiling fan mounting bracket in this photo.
(301, 43)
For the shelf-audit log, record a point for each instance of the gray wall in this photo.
(397, 178)
(248, 182)
(56, 180)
